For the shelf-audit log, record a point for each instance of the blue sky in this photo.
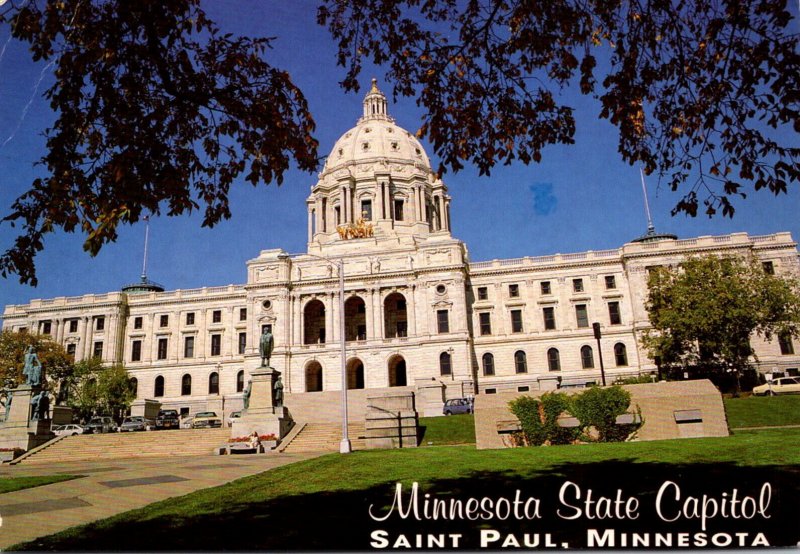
(581, 197)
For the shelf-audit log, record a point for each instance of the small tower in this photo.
(145, 284)
(651, 235)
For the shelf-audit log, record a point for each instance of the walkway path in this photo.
(110, 487)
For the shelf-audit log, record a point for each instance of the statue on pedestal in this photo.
(278, 389)
(41, 406)
(246, 396)
(265, 346)
(32, 369)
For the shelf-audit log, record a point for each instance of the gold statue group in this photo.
(358, 230)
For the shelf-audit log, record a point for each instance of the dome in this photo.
(376, 137)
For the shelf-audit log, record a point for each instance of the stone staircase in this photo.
(325, 437)
(179, 442)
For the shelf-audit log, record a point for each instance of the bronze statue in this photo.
(278, 388)
(41, 406)
(33, 368)
(265, 346)
(246, 395)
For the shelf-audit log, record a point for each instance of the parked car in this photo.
(69, 430)
(136, 423)
(458, 406)
(186, 422)
(233, 417)
(168, 419)
(100, 424)
(206, 419)
(781, 385)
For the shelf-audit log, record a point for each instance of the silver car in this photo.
(136, 423)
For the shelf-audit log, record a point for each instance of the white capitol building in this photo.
(417, 312)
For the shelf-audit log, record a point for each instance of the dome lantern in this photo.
(375, 104)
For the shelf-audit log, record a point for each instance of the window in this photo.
(516, 321)
(769, 268)
(97, 351)
(587, 357)
(545, 286)
(186, 385)
(188, 347)
(445, 364)
(520, 361)
(100, 323)
(621, 354)
(523, 388)
(366, 210)
(242, 342)
(611, 282)
(785, 342)
(216, 316)
(159, 386)
(490, 391)
(164, 321)
(190, 318)
(443, 321)
(577, 285)
(136, 351)
(549, 318)
(613, 313)
(553, 360)
(213, 383)
(137, 323)
(488, 364)
(398, 210)
(486, 323)
(216, 345)
(483, 293)
(242, 314)
(581, 316)
(513, 291)
(337, 215)
(47, 327)
(71, 350)
(162, 349)
(240, 381)
(73, 325)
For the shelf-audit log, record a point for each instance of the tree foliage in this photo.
(599, 407)
(156, 110)
(704, 313)
(695, 88)
(98, 390)
(56, 362)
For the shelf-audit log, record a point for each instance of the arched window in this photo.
(355, 374)
(134, 385)
(186, 385)
(445, 364)
(313, 377)
(553, 360)
(240, 381)
(520, 361)
(587, 357)
(314, 322)
(398, 376)
(213, 383)
(621, 354)
(488, 364)
(159, 388)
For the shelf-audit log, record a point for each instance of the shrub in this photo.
(599, 407)
(529, 412)
(538, 418)
(636, 380)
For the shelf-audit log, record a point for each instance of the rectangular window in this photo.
(486, 323)
(188, 347)
(101, 323)
(97, 351)
(611, 282)
(513, 291)
(137, 322)
(47, 327)
(581, 316)
(577, 285)
(366, 210)
(443, 321)
(73, 325)
(164, 321)
(242, 314)
(242, 342)
(769, 268)
(136, 351)
(71, 350)
(398, 210)
(190, 318)
(162, 348)
(216, 345)
(337, 214)
(216, 316)
(483, 293)
(402, 329)
(545, 286)
(516, 321)
(549, 318)
(613, 313)
(785, 342)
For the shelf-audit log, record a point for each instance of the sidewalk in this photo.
(114, 486)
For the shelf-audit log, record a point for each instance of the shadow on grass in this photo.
(339, 520)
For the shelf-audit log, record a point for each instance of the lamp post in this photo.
(597, 335)
(344, 446)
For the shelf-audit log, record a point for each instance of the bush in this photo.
(529, 412)
(636, 380)
(599, 407)
(539, 418)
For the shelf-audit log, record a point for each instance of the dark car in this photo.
(136, 423)
(457, 406)
(168, 419)
(100, 424)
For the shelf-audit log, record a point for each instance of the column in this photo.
(387, 199)
(411, 311)
(348, 193)
(379, 213)
(374, 308)
(329, 326)
(297, 318)
(446, 213)
(87, 337)
(318, 213)
(310, 224)
(334, 331)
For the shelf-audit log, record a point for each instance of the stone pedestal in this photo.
(430, 397)
(62, 415)
(391, 421)
(262, 415)
(146, 408)
(18, 431)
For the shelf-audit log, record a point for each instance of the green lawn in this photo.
(757, 411)
(323, 503)
(456, 429)
(11, 484)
